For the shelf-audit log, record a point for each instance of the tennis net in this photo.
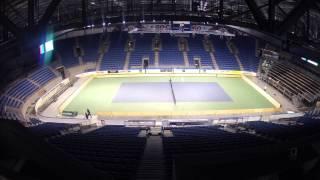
(172, 92)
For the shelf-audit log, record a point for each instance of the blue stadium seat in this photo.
(65, 48)
(7, 101)
(90, 45)
(207, 139)
(114, 149)
(42, 76)
(50, 129)
(170, 54)
(196, 49)
(246, 46)
(114, 59)
(285, 132)
(224, 58)
(22, 89)
(143, 47)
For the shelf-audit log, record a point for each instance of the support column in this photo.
(5, 33)
(84, 6)
(221, 10)
(271, 15)
(307, 24)
(31, 5)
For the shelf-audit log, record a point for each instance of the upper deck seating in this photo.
(90, 45)
(143, 48)
(196, 49)
(65, 48)
(22, 89)
(246, 47)
(42, 76)
(114, 59)
(170, 54)
(224, 58)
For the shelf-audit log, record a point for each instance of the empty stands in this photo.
(246, 52)
(278, 131)
(117, 150)
(42, 76)
(114, 149)
(293, 81)
(18, 93)
(143, 48)
(11, 102)
(196, 49)
(90, 45)
(115, 57)
(8, 102)
(224, 58)
(207, 139)
(188, 140)
(34, 122)
(65, 49)
(22, 89)
(306, 128)
(49, 129)
(169, 55)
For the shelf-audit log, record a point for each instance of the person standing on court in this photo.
(89, 113)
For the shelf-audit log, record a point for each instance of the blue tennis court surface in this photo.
(161, 92)
(199, 91)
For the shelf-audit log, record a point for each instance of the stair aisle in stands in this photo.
(152, 163)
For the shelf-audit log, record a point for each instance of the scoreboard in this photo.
(46, 47)
(181, 26)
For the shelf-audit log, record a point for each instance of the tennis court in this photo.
(159, 96)
(170, 92)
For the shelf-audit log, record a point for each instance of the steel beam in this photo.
(257, 14)
(317, 7)
(31, 5)
(308, 24)
(5, 33)
(294, 15)
(84, 9)
(221, 10)
(271, 15)
(49, 12)
(5, 21)
(243, 13)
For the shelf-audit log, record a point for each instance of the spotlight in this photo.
(123, 22)
(109, 23)
(153, 20)
(103, 24)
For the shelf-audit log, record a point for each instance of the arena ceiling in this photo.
(301, 18)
